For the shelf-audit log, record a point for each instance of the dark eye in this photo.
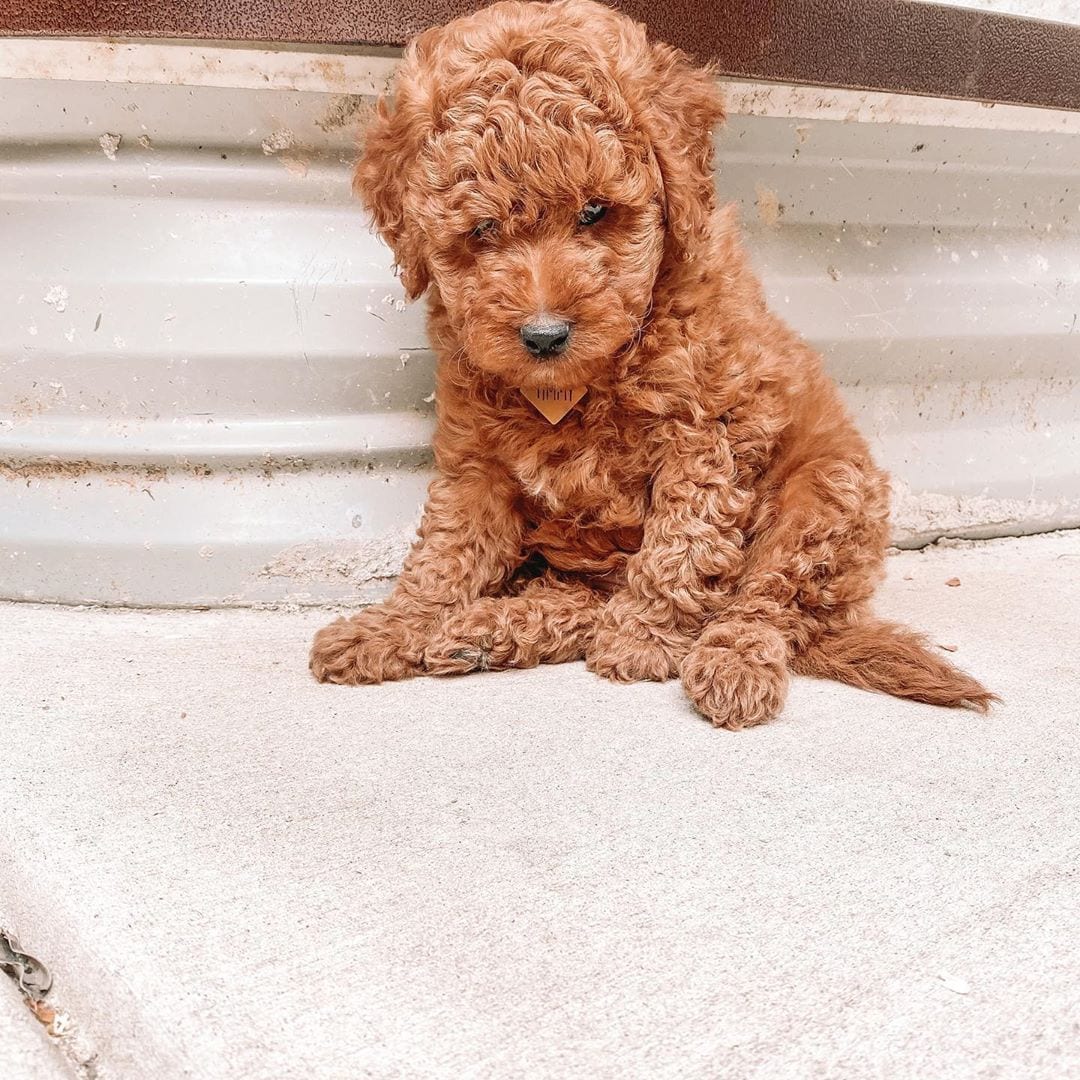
(483, 228)
(591, 213)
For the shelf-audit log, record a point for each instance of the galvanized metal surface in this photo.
(212, 392)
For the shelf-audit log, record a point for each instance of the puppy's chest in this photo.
(583, 514)
(589, 485)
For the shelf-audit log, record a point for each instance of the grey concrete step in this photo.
(235, 872)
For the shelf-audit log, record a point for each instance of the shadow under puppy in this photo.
(696, 501)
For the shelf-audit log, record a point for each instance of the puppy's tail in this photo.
(878, 655)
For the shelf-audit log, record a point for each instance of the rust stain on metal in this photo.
(345, 109)
(356, 561)
(282, 139)
(129, 472)
(73, 470)
(296, 166)
(769, 207)
(109, 144)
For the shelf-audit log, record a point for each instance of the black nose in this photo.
(546, 335)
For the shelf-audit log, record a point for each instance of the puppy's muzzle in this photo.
(546, 336)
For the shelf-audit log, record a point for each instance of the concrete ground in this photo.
(235, 872)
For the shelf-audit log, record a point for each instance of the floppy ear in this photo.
(381, 180)
(679, 113)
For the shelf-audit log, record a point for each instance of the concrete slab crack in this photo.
(34, 981)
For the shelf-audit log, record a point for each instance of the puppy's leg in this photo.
(803, 602)
(470, 543)
(692, 546)
(549, 622)
(814, 561)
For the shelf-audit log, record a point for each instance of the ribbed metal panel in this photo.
(212, 392)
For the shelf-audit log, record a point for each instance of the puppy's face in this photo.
(541, 165)
(543, 231)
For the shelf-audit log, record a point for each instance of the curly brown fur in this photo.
(708, 509)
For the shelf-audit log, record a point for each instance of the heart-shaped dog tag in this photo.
(553, 404)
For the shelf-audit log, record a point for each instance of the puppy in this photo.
(638, 463)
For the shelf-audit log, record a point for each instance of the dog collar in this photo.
(553, 404)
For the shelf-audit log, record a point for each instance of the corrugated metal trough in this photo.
(212, 392)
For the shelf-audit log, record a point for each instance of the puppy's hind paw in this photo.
(469, 642)
(364, 649)
(443, 659)
(622, 658)
(737, 674)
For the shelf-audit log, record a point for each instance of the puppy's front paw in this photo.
(622, 657)
(480, 638)
(368, 648)
(737, 674)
